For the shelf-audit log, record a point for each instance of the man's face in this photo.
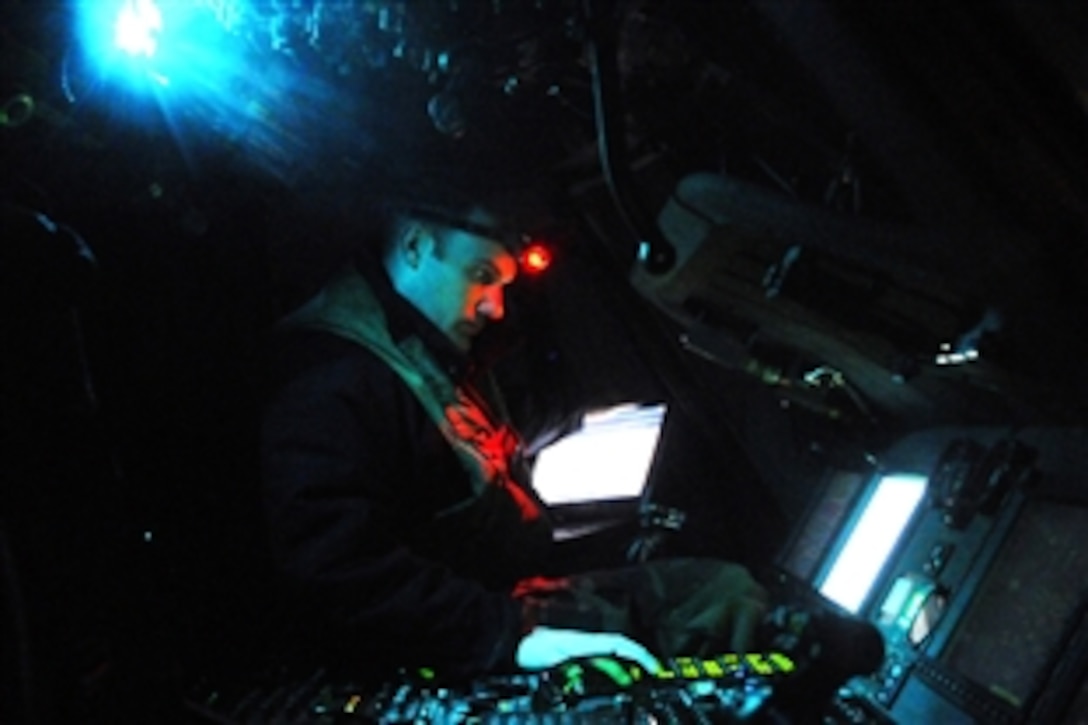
(457, 280)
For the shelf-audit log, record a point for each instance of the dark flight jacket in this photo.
(401, 541)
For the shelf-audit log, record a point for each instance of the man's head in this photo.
(455, 277)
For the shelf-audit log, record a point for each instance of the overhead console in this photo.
(839, 313)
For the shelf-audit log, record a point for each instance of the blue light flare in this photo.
(152, 60)
(132, 42)
(139, 23)
(180, 63)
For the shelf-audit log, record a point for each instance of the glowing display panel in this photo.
(608, 458)
(886, 514)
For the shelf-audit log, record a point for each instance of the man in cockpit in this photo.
(398, 500)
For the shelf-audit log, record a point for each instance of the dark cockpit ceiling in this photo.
(840, 218)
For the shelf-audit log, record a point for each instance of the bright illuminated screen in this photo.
(609, 457)
(887, 513)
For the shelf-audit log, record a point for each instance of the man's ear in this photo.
(414, 242)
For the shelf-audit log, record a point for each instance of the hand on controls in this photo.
(546, 647)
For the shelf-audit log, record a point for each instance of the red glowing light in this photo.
(535, 258)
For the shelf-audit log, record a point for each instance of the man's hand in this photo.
(546, 647)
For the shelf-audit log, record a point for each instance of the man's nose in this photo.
(492, 305)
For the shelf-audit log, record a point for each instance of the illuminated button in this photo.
(714, 669)
(760, 665)
(781, 661)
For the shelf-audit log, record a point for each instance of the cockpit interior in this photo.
(808, 293)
